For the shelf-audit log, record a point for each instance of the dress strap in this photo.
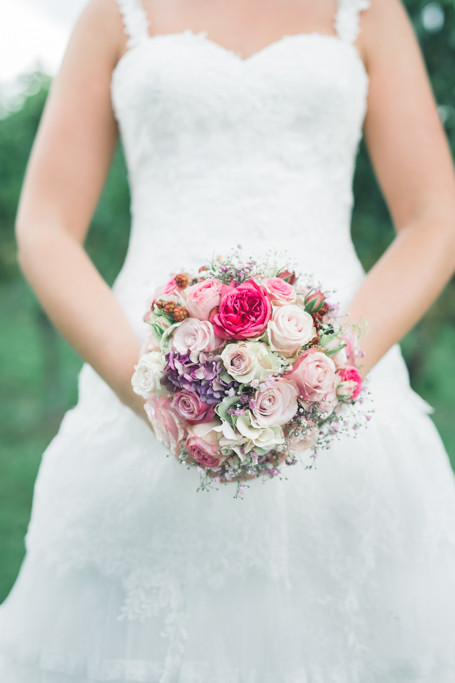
(135, 20)
(347, 19)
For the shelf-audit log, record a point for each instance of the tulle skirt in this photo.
(344, 573)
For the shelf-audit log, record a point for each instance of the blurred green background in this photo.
(38, 369)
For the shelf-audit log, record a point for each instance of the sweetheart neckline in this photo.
(203, 35)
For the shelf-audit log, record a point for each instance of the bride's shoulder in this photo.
(100, 28)
(385, 28)
(383, 16)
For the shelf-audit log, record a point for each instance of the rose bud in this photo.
(288, 276)
(314, 301)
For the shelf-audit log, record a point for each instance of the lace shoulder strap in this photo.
(135, 21)
(347, 18)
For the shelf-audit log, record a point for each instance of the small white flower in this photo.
(147, 375)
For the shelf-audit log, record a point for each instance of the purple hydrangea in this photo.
(202, 377)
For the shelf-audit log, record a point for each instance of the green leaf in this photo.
(166, 335)
(332, 352)
(324, 339)
(158, 332)
(222, 408)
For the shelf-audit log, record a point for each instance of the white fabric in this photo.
(343, 574)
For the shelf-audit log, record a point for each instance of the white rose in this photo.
(290, 329)
(230, 440)
(147, 375)
(261, 437)
(246, 361)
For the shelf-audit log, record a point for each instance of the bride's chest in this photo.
(179, 84)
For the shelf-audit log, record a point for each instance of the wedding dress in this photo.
(341, 574)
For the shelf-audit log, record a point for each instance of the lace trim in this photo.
(147, 594)
(135, 20)
(347, 18)
(33, 666)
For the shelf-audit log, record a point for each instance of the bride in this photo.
(240, 122)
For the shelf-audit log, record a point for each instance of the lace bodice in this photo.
(223, 150)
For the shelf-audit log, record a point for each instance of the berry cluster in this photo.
(170, 308)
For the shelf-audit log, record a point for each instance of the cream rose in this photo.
(246, 361)
(147, 375)
(290, 329)
(276, 404)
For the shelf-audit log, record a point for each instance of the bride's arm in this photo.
(65, 175)
(413, 164)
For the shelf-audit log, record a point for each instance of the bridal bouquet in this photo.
(245, 367)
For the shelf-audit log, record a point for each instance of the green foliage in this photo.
(37, 367)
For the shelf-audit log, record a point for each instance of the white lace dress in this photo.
(342, 574)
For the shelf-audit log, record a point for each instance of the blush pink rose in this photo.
(203, 297)
(276, 404)
(314, 374)
(195, 335)
(350, 385)
(244, 311)
(202, 444)
(170, 292)
(149, 344)
(280, 292)
(298, 444)
(168, 425)
(191, 408)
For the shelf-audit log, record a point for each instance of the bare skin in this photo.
(78, 134)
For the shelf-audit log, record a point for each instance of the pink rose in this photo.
(170, 291)
(149, 344)
(276, 404)
(195, 335)
(203, 297)
(202, 444)
(350, 385)
(244, 311)
(281, 293)
(169, 427)
(191, 408)
(299, 443)
(290, 329)
(314, 373)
